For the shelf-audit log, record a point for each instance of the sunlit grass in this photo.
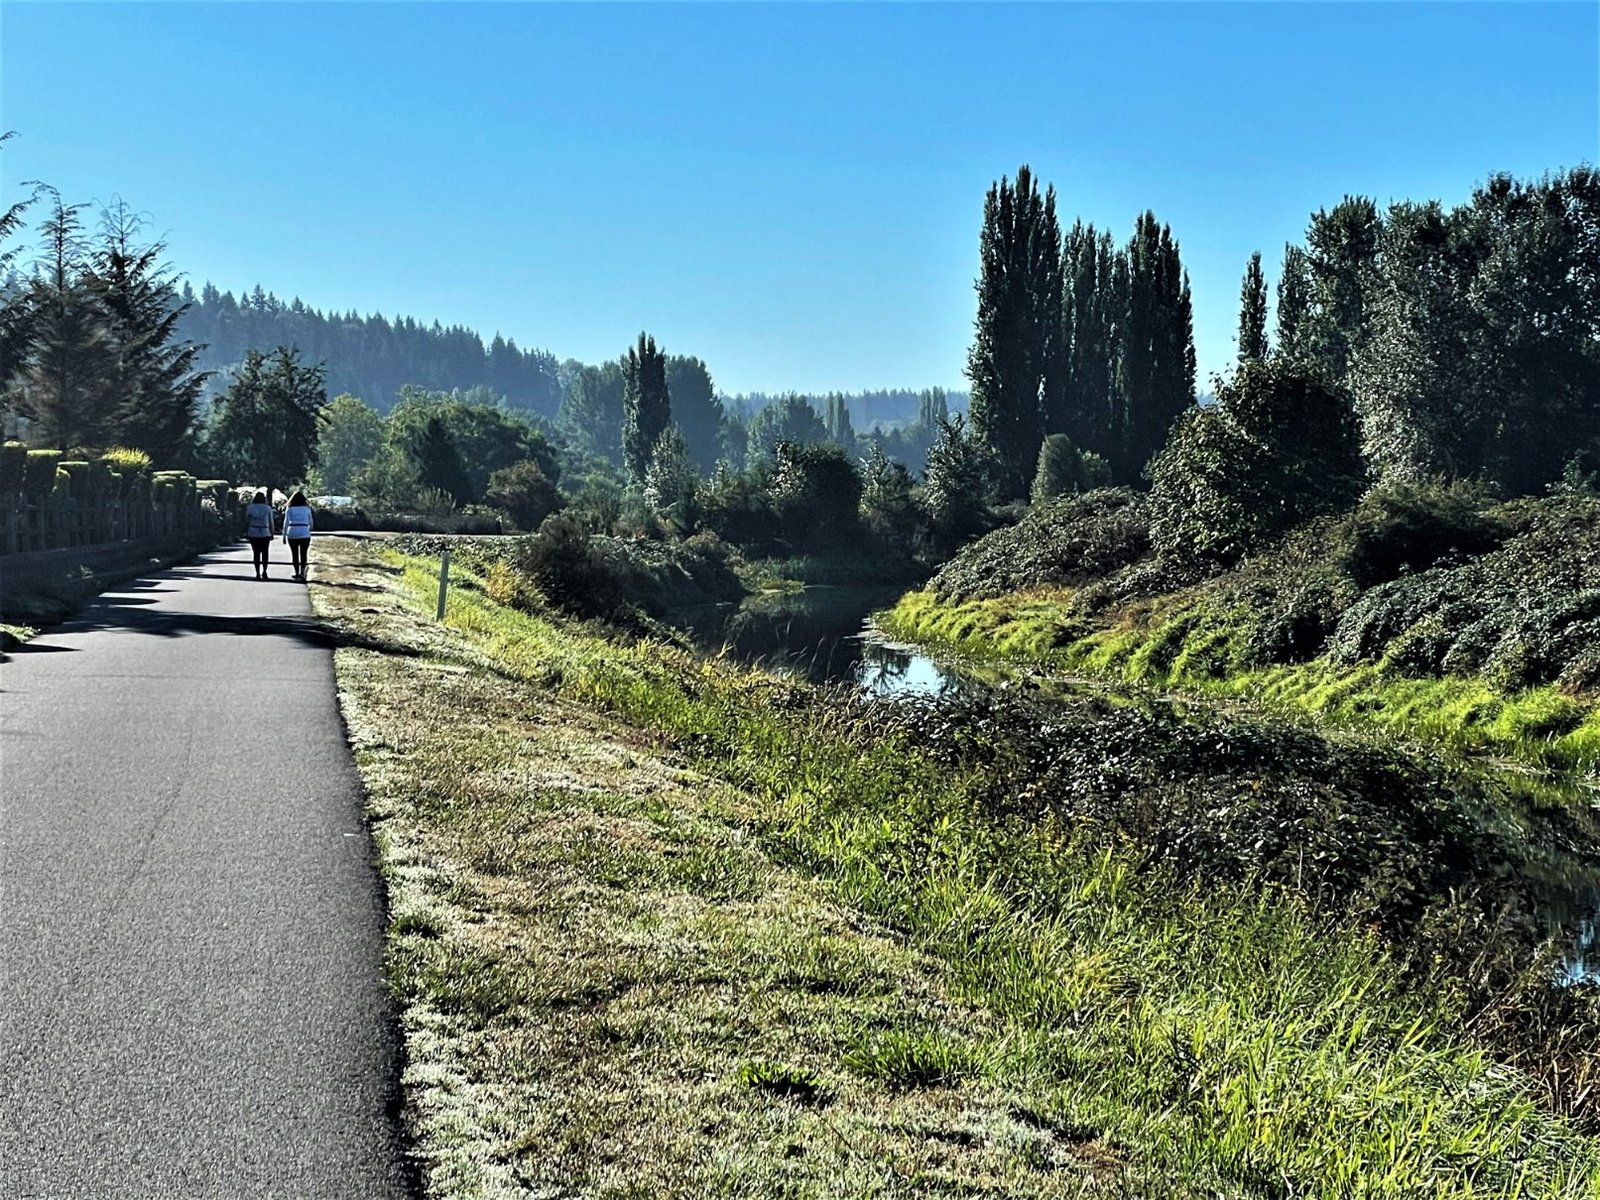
(1193, 648)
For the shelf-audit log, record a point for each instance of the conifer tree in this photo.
(154, 384)
(64, 383)
(646, 406)
(438, 461)
(696, 409)
(1015, 360)
(1253, 313)
(266, 424)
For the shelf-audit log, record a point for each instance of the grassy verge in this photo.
(661, 927)
(1192, 648)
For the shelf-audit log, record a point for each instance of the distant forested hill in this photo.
(887, 407)
(371, 357)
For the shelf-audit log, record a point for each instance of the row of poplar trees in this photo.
(1465, 340)
(1076, 336)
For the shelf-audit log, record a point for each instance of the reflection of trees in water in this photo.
(813, 633)
(1582, 961)
(883, 669)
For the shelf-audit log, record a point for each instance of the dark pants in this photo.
(258, 548)
(297, 553)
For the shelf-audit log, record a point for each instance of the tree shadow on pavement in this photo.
(129, 615)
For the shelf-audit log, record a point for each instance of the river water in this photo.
(821, 634)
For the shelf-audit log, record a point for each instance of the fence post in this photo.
(444, 581)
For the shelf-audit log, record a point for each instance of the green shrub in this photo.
(1404, 527)
(1067, 541)
(126, 461)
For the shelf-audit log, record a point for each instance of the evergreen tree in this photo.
(14, 325)
(646, 406)
(265, 426)
(1294, 300)
(1015, 360)
(788, 419)
(1253, 313)
(154, 384)
(64, 384)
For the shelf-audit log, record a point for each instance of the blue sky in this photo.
(793, 193)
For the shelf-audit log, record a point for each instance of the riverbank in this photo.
(662, 926)
(1425, 613)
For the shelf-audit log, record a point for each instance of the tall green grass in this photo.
(1227, 1039)
(1186, 645)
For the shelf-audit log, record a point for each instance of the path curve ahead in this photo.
(191, 992)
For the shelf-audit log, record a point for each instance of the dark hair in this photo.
(299, 497)
(260, 498)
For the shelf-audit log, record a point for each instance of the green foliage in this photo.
(787, 419)
(1063, 542)
(1523, 613)
(670, 482)
(1253, 312)
(485, 438)
(438, 462)
(523, 493)
(352, 436)
(592, 411)
(1280, 446)
(265, 426)
(887, 509)
(1155, 363)
(815, 492)
(1063, 468)
(1405, 527)
(127, 461)
(696, 409)
(955, 491)
(1014, 362)
(646, 406)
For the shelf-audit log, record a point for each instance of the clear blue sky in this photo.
(793, 193)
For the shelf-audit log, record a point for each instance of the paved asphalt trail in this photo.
(191, 997)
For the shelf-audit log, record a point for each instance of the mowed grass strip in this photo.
(607, 986)
(1051, 1021)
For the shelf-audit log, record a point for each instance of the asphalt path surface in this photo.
(191, 991)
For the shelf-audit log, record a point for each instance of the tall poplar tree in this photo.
(1015, 359)
(1156, 359)
(1253, 313)
(1341, 259)
(1294, 300)
(1091, 307)
(646, 406)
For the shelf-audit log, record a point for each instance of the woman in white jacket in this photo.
(297, 532)
(258, 531)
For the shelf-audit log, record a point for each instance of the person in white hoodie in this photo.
(297, 532)
(258, 531)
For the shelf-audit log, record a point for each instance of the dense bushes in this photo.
(1402, 527)
(1069, 540)
(1280, 446)
(1525, 613)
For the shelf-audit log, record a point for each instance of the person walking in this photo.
(297, 532)
(258, 531)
